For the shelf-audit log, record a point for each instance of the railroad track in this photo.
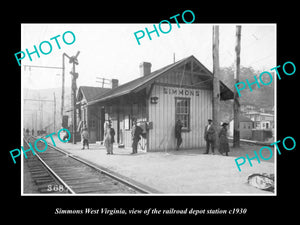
(58, 172)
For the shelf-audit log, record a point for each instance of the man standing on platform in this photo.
(135, 134)
(210, 137)
(85, 138)
(178, 128)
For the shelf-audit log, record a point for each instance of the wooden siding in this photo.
(188, 80)
(162, 114)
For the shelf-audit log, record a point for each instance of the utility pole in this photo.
(216, 82)
(40, 109)
(63, 79)
(36, 126)
(54, 111)
(74, 60)
(32, 123)
(104, 81)
(63, 88)
(41, 112)
(236, 103)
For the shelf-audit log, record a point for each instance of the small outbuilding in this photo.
(246, 126)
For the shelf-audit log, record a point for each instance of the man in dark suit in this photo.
(135, 135)
(178, 128)
(210, 137)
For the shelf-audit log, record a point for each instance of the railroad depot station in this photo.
(181, 90)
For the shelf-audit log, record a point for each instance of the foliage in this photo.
(262, 97)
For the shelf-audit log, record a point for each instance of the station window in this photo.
(92, 124)
(182, 111)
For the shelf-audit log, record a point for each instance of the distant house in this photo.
(246, 126)
(262, 121)
(246, 108)
(269, 110)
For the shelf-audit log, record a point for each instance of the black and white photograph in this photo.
(173, 112)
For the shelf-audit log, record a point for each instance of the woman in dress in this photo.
(224, 146)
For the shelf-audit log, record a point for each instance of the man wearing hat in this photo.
(135, 135)
(210, 137)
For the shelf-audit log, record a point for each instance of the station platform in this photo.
(183, 172)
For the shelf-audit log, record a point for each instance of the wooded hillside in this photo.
(262, 97)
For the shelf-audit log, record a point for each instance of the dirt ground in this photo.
(183, 171)
(176, 172)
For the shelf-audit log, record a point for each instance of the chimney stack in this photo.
(114, 83)
(145, 69)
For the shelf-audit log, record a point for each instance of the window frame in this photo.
(188, 128)
(92, 124)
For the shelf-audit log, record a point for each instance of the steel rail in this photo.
(53, 173)
(103, 171)
(126, 182)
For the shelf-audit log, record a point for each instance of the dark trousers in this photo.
(134, 145)
(179, 141)
(208, 144)
(85, 142)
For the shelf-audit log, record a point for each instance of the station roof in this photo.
(89, 93)
(142, 82)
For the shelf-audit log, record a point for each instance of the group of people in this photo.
(209, 136)
(39, 132)
(109, 137)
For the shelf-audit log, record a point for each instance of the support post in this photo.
(74, 61)
(74, 103)
(236, 104)
(62, 89)
(216, 82)
(54, 112)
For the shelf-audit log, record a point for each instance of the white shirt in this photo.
(208, 126)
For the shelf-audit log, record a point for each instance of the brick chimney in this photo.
(114, 83)
(145, 68)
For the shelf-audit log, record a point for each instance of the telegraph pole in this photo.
(236, 103)
(63, 80)
(54, 112)
(41, 112)
(104, 81)
(74, 60)
(216, 82)
(63, 88)
(40, 108)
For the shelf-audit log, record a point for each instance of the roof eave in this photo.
(225, 95)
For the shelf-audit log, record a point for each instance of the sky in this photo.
(111, 50)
